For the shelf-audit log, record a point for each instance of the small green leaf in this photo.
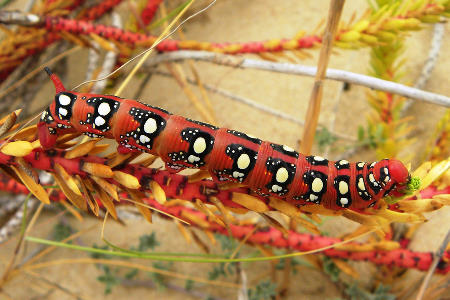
(264, 290)
(147, 241)
(361, 133)
(61, 231)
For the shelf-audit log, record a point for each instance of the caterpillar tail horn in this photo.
(56, 81)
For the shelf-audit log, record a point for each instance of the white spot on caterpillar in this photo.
(150, 125)
(343, 162)
(276, 188)
(192, 158)
(344, 201)
(361, 185)
(99, 121)
(288, 149)
(282, 175)
(343, 187)
(361, 165)
(317, 185)
(144, 139)
(243, 161)
(63, 111)
(319, 158)
(199, 145)
(313, 197)
(64, 100)
(386, 179)
(104, 109)
(371, 178)
(238, 174)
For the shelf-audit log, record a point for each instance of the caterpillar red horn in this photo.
(267, 168)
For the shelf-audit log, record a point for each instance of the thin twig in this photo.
(315, 99)
(252, 103)
(110, 59)
(430, 63)
(288, 68)
(437, 257)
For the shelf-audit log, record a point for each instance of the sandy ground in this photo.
(235, 20)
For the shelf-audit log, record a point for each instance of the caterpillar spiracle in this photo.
(268, 169)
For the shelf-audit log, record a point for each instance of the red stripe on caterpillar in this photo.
(269, 169)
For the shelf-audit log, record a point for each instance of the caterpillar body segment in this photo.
(268, 169)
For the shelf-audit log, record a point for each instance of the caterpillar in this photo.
(268, 169)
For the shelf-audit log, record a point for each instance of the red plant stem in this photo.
(37, 45)
(56, 24)
(174, 185)
(149, 11)
(270, 236)
(96, 11)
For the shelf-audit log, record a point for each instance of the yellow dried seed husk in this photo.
(36, 189)
(7, 123)
(126, 180)
(26, 133)
(250, 202)
(98, 170)
(145, 211)
(36, 144)
(69, 180)
(67, 145)
(355, 247)
(183, 231)
(345, 267)
(107, 187)
(422, 205)
(284, 207)
(81, 149)
(387, 245)
(11, 116)
(99, 148)
(422, 170)
(117, 159)
(319, 209)
(67, 137)
(200, 175)
(107, 202)
(393, 216)
(93, 205)
(238, 210)
(226, 216)
(146, 162)
(72, 210)
(210, 236)
(17, 148)
(103, 43)
(207, 211)
(230, 185)
(435, 172)
(274, 223)
(360, 218)
(158, 192)
(75, 199)
(199, 242)
(194, 219)
(308, 225)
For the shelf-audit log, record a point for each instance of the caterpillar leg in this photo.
(125, 150)
(49, 130)
(174, 168)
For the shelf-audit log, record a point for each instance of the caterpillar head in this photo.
(399, 176)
